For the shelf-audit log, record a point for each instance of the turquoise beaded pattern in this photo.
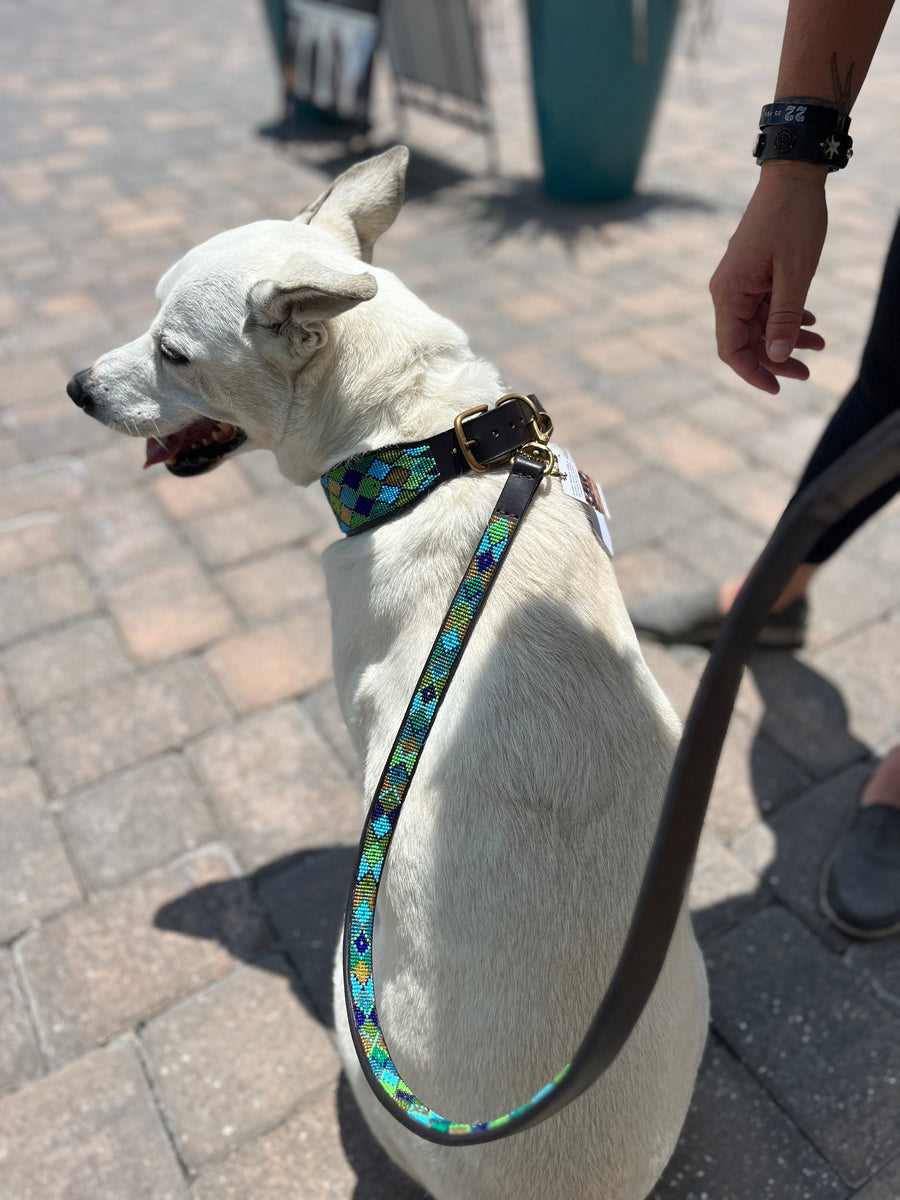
(371, 486)
(382, 820)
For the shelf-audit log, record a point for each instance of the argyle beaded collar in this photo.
(370, 487)
(376, 484)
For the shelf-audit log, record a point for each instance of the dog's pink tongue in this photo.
(162, 449)
(159, 450)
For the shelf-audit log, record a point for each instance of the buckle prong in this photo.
(464, 445)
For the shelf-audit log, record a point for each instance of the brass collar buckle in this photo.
(464, 445)
(541, 427)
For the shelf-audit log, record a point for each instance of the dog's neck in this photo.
(392, 374)
(388, 586)
(393, 371)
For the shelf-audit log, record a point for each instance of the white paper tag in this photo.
(582, 488)
(601, 524)
(571, 483)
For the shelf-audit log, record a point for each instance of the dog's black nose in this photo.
(77, 390)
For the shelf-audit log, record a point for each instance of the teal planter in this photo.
(595, 99)
(275, 16)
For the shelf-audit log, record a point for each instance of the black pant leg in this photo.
(874, 396)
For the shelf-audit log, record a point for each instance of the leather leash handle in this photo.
(871, 463)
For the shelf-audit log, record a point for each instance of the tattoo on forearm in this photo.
(843, 89)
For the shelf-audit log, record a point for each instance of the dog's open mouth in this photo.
(196, 448)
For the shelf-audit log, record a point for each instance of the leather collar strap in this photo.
(861, 471)
(373, 486)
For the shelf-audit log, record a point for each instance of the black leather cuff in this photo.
(793, 130)
(807, 143)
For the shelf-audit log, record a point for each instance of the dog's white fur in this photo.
(515, 867)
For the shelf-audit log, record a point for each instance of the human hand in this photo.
(759, 288)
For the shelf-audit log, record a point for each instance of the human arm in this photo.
(759, 288)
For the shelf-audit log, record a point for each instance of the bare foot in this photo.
(727, 593)
(884, 786)
(795, 588)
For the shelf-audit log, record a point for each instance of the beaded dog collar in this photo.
(373, 486)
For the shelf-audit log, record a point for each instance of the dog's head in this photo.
(256, 336)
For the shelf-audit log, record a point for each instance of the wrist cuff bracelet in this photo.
(814, 133)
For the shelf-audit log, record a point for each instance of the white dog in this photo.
(517, 861)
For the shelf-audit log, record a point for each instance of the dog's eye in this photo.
(172, 356)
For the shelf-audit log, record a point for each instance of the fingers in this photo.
(805, 340)
(742, 347)
(737, 341)
(810, 341)
(748, 367)
(792, 368)
(760, 372)
(762, 313)
(786, 310)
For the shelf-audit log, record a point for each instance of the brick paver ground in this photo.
(177, 792)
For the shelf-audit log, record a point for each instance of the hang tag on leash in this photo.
(582, 488)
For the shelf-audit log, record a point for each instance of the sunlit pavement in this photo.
(178, 797)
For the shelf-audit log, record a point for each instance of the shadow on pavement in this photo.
(511, 208)
(303, 896)
(378, 1177)
(805, 719)
(317, 146)
(804, 713)
(494, 207)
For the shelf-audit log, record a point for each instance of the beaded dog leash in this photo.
(363, 491)
(384, 812)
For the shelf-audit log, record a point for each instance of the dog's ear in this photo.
(322, 294)
(362, 202)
